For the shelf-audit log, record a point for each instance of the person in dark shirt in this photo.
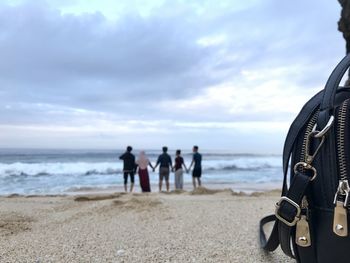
(197, 169)
(129, 168)
(179, 163)
(164, 162)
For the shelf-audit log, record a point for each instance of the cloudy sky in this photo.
(226, 75)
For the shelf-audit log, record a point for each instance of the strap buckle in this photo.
(290, 201)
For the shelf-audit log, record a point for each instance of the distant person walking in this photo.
(129, 168)
(164, 162)
(197, 169)
(142, 164)
(179, 163)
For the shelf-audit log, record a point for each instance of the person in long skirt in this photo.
(179, 163)
(142, 163)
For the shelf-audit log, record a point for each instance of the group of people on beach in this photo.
(140, 165)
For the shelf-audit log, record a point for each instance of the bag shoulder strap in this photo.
(275, 237)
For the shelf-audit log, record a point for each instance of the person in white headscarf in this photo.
(142, 163)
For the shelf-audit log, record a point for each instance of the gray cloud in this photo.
(46, 51)
(53, 64)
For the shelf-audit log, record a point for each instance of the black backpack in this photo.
(311, 218)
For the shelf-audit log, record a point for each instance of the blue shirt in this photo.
(164, 160)
(197, 158)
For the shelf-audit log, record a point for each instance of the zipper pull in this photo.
(340, 221)
(302, 232)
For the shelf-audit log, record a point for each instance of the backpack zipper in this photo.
(309, 128)
(342, 114)
(302, 232)
(340, 225)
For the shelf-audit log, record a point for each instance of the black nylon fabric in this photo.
(326, 246)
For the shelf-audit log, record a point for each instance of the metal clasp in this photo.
(310, 157)
(306, 166)
(325, 129)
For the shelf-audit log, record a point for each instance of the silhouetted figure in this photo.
(129, 168)
(197, 169)
(179, 163)
(142, 164)
(164, 162)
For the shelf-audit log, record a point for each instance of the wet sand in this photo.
(201, 226)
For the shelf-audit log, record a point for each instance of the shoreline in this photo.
(247, 188)
(101, 195)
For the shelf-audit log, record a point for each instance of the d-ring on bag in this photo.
(311, 218)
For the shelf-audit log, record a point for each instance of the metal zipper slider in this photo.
(343, 189)
(340, 221)
(302, 232)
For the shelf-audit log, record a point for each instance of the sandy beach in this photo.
(201, 226)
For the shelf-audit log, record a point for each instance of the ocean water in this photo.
(63, 171)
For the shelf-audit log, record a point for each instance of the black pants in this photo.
(132, 177)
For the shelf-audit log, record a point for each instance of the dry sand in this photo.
(201, 226)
